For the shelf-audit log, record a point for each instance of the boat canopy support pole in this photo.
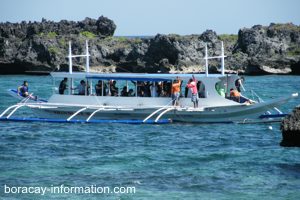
(206, 61)
(87, 56)
(76, 113)
(222, 60)
(70, 58)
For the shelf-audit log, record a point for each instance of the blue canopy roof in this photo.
(127, 78)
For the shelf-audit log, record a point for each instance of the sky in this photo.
(150, 17)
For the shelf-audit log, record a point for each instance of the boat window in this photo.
(201, 89)
(186, 92)
(221, 88)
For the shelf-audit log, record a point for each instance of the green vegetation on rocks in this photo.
(228, 38)
(88, 34)
(51, 35)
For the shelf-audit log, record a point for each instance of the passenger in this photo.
(23, 89)
(140, 88)
(154, 89)
(193, 86)
(130, 93)
(63, 86)
(235, 95)
(113, 88)
(238, 84)
(147, 89)
(159, 89)
(80, 88)
(124, 92)
(99, 88)
(167, 86)
(176, 91)
(87, 88)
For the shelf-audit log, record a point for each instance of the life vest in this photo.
(235, 93)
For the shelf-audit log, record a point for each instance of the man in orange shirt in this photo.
(176, 91)
(235, 95)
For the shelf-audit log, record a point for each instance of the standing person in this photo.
(239, 84)
(176, 91)
(113, 88)
(98, 88)
(192, 84)
(63, 86)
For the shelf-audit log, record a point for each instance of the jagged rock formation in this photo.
(272, 49)
(43, 47)
(290, 128)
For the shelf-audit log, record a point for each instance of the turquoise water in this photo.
(175, 161)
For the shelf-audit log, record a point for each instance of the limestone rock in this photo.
(290, 128)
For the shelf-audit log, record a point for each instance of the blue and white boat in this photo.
(214, 106)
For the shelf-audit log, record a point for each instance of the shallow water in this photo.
(175, 161)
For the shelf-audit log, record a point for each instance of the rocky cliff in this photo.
(42, 46)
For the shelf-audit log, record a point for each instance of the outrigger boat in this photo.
(214, 107)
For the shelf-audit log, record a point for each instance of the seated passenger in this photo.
(81, 88)
(235, 95)
(124, 92)
(130, 93)
(23, 89)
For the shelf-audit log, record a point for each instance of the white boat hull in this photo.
(224, 114)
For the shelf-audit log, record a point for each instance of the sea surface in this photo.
(174, 161)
